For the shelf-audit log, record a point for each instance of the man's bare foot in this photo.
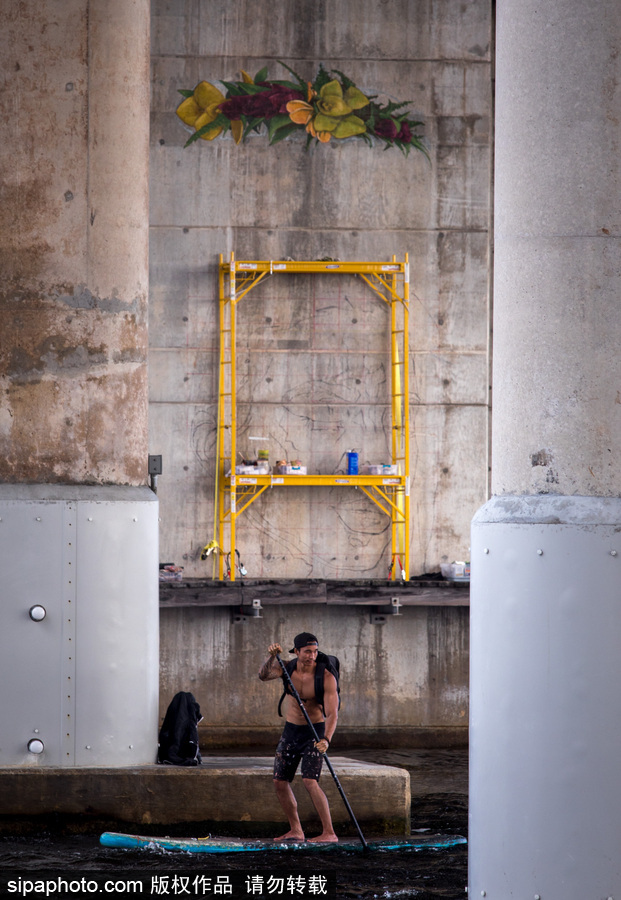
(291, 836)
(329, 838)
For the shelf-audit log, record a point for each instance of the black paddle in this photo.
(325, 755)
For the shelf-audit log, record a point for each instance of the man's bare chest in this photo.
(304, 683)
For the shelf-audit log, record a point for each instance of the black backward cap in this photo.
(303, 640)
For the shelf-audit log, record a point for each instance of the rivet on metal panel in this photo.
(90, 519)
(539, 552)
(135, 519)
(88, 747)
(486, 550)
(38, 518)
(613, 552)
(37, 613)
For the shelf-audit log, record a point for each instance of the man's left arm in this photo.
(331, 706)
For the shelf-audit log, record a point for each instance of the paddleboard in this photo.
(239, 845)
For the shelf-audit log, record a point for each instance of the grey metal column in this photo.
(79, 643)
(545, 727)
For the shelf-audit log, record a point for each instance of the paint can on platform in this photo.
(352, 463)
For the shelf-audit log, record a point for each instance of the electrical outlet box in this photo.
(155, 465)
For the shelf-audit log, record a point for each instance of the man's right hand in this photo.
(271, 668)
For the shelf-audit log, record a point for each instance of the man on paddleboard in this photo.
(298, 741)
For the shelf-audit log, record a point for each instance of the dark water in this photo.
(439, 806)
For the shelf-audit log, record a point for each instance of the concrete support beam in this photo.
(234, 791)
(557, 281)
(74, 241)
(376, 594)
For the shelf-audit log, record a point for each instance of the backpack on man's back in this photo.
(324, 661)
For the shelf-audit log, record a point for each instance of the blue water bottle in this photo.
(352, 463)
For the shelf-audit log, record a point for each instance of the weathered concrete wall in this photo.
(403, 682)
(312, 355)
(74, 241)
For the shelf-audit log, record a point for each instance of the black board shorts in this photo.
(297, 743)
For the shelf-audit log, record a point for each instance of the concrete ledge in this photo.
(236, 791)
(372, 594)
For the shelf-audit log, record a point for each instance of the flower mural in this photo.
(329, 107)
(332, 113)
(201, 108)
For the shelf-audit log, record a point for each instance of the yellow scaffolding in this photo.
(391, 493)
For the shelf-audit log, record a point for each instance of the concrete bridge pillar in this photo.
(545, 795)
(73, 377)
(74, 241)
